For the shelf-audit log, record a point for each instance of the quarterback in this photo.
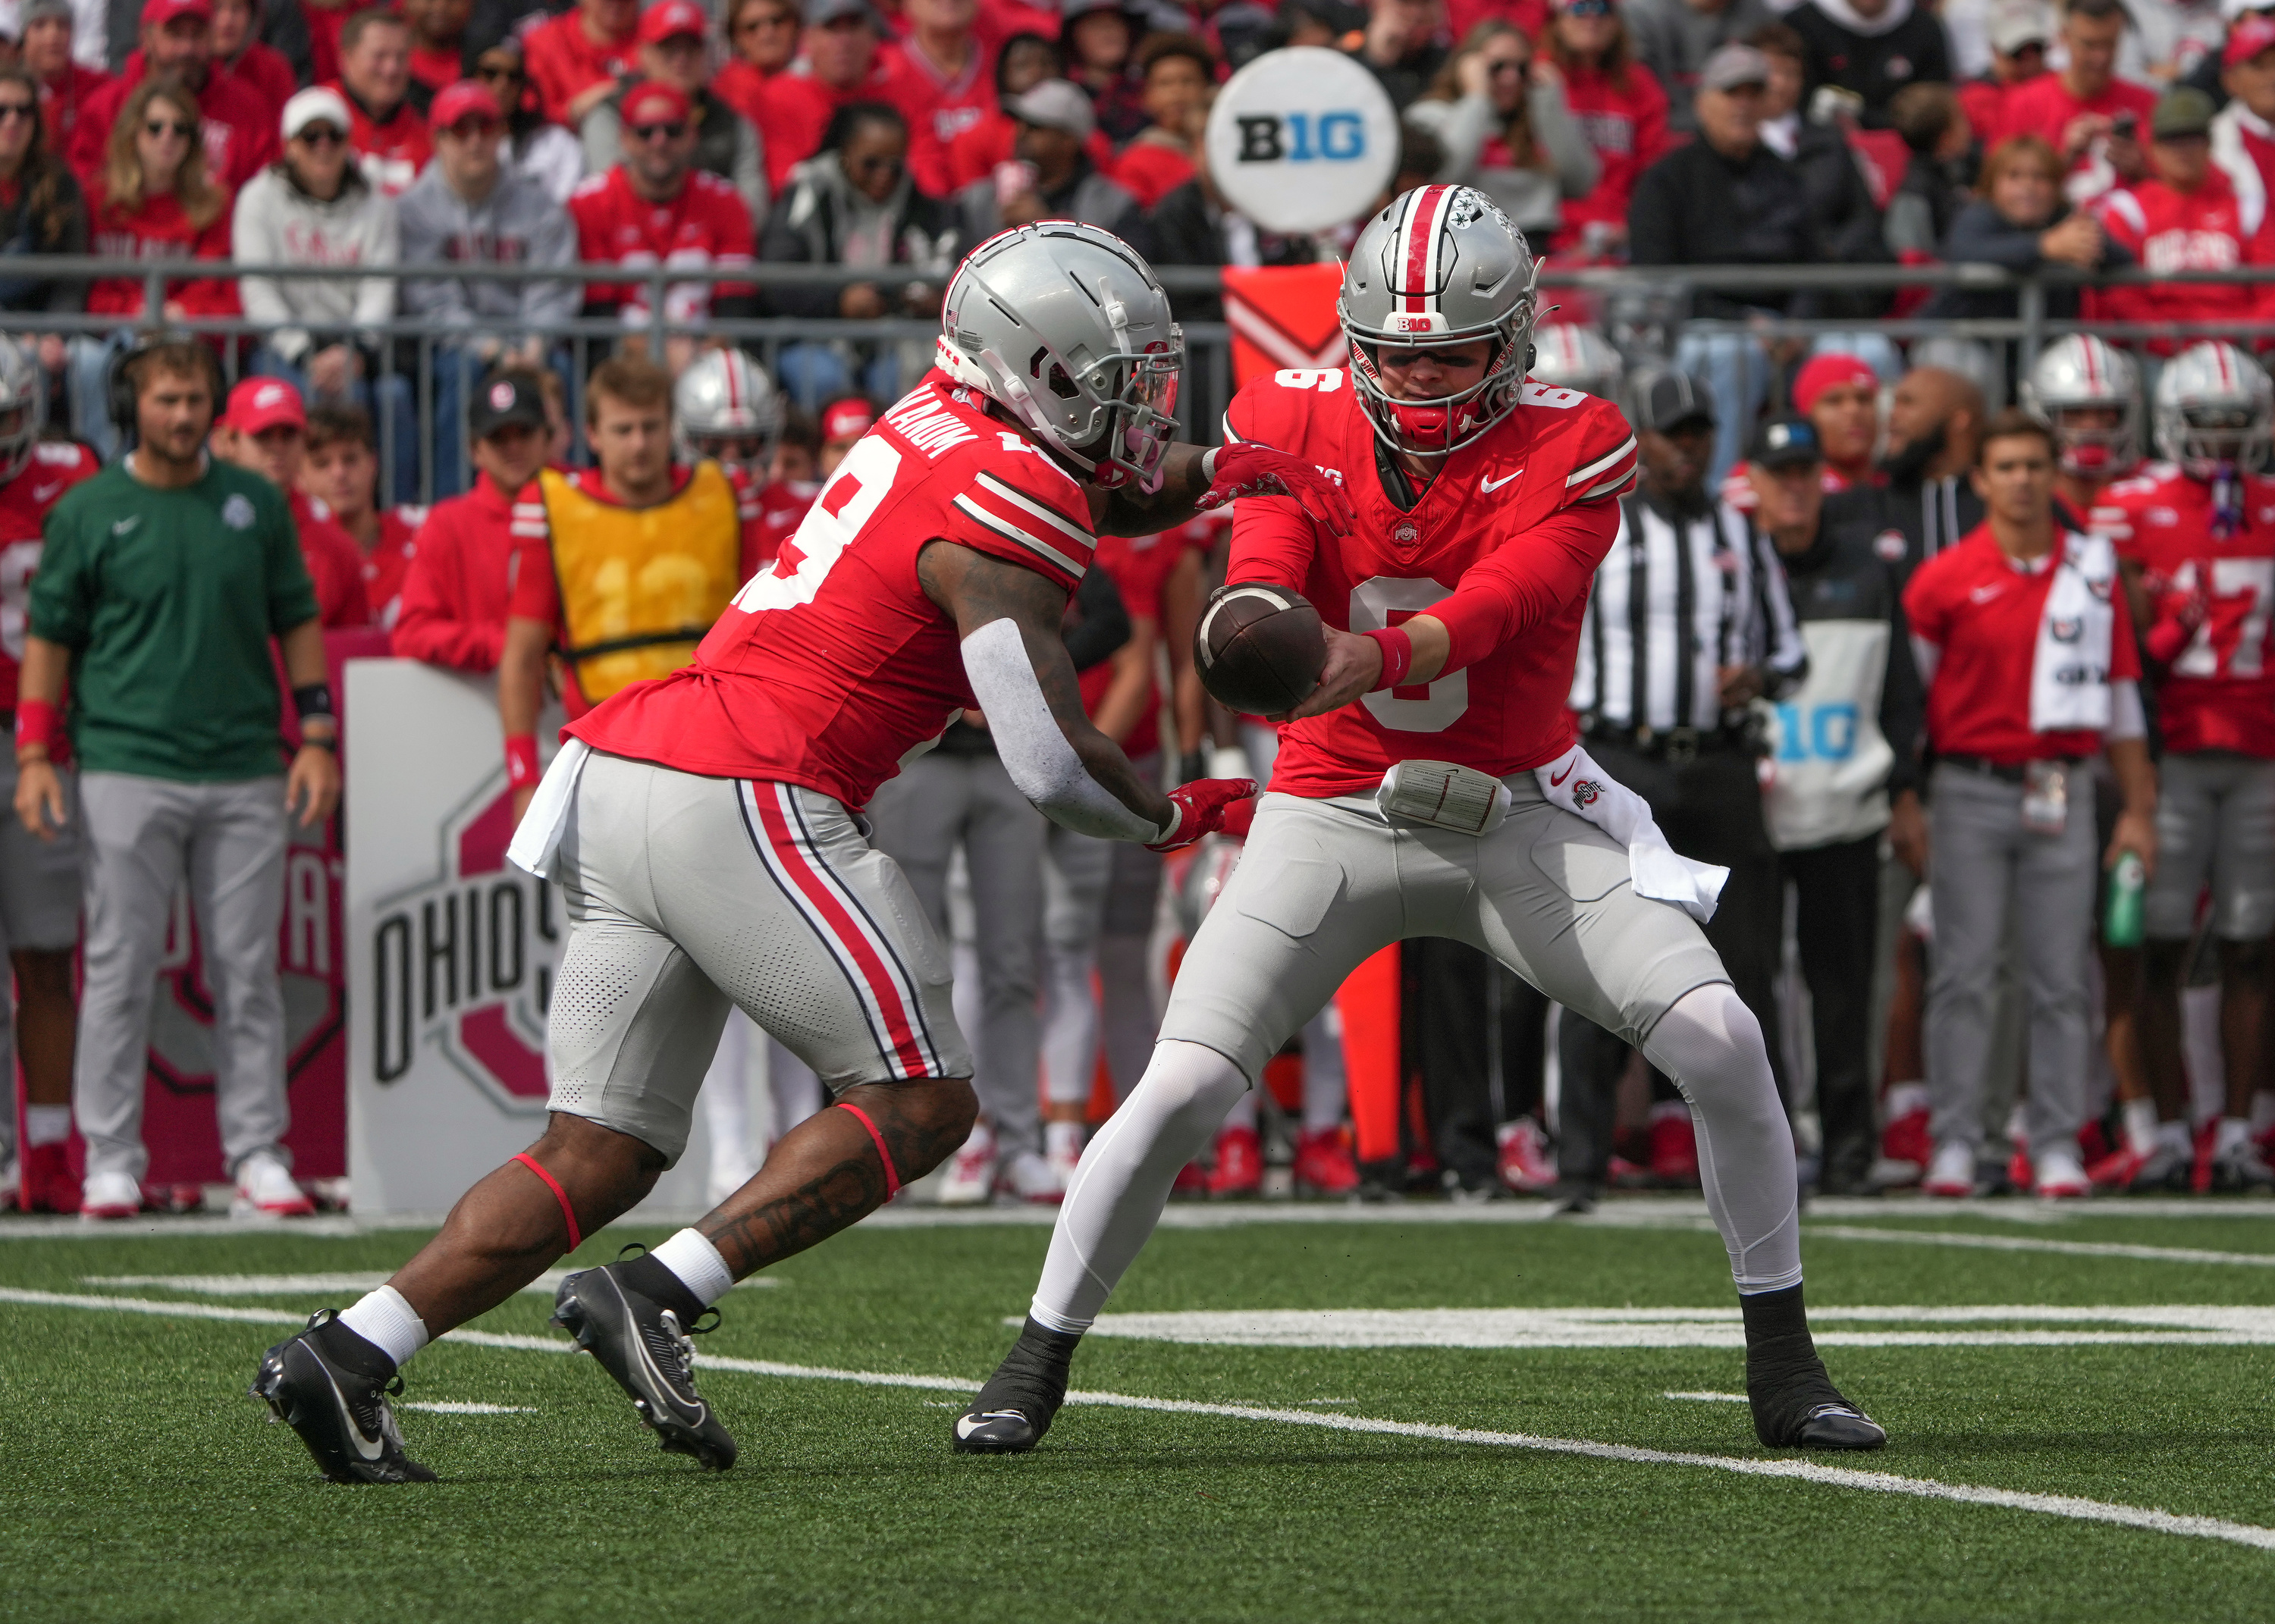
(705, 829)
(1432, 786)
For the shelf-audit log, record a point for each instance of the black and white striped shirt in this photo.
(1679, 596)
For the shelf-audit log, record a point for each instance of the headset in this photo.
(124, 386)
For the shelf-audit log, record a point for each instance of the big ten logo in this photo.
(463, 967)
(1338, 137)
(310, 959)
(1819, 733)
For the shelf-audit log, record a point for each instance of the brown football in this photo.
(1259, 648)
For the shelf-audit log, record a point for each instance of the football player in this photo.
(724, 407)
(39, 880)
(705, 827)
(2195, 536)
(1432, 786)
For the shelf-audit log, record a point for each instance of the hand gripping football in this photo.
(1259, 648)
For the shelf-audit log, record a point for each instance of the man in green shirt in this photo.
(161, 580)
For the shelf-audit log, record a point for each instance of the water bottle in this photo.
(2122, 925)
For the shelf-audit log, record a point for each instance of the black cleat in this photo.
(341, 1415)
(1804, 1410)
(1016, 1408)
(643, 1345)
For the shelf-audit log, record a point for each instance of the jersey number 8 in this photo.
(1381, 602)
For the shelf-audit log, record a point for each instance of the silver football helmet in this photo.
(1441, 265)
(1576, 357)
(725, 407)
(2214, 408)
(22, 401)
(1067, 329)
(2089, 393)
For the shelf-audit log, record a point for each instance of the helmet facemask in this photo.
(2094, 450)
(19, 431)
(1439, 425)
(2216, 441)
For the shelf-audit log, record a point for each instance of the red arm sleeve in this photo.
(1272, 541)
(1523, 583)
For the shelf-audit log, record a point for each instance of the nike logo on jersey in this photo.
(1556, 780)
(1984, 595)
(43, 493)
(125, 525)
(1491, 486)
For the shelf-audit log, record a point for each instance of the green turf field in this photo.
(1268, 1468)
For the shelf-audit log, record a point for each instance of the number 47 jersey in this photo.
(832, 667)
(1517, 521)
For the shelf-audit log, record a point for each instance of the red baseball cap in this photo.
(158, 14)
(2253, 35)
(847, 420)
(469, 98)
(259, 403)
(670, 20)
(648, 102)
(1829, 371)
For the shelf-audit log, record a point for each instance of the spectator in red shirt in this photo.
(579, 59)
(390, 138)
(841, 64)
(1025, 61)
(1620, 107)
(2243, 134)
(236, 123)
(2085, 112)
(1101, 37)
(326, 19)
(938, 77)
(265, 430)
(457, 587)
(2026, 649)
(2187, 218)
(341, 470)
(673, 51)
(237, 50)
(152, 199)
(1178, 71)
(654, 208)
(762, 36)
(65, 87)
(1840, 395)
(2018, 32)
(438, 36)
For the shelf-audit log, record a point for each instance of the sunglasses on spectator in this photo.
(1507, 64)
(167, 126)
(318, 135)
(895, 165)
(1587, 8)
(503, 72)
(657, 132)
(17, 110)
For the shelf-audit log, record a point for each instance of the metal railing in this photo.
(412, 348)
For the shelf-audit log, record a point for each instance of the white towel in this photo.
(2069, 673)
(538, 840)
(1575, 783)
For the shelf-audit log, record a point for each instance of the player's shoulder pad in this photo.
(1592, 438)
(1274, 407)
(66, 453)
(2133, 488)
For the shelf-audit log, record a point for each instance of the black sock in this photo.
(1036, 1368)
(659, 1285)
(352, 1351)
(1785, 1380)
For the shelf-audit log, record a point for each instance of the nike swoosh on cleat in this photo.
(966, 1425)
(672, 1401)
(369, 1448)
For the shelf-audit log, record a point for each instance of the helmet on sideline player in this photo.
(1067, 329)
(1441, 265)
(1575, 357)
(2214, 408)
(22, 402)
(2085, 374)
(725, 408)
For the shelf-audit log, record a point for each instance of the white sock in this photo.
(2233, 1132)
(385, 1320)
(2141, 1126)
(1063, 1139)
(1117, 1195)
(46, 1124)
(1903, 1099)
(2175, 1134)
(697, 1264)
(1711, 1046)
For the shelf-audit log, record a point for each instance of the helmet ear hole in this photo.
(1061, 385)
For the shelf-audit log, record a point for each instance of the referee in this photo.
(1689, 624)
(162, 580)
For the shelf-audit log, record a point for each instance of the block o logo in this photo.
(1302, 139)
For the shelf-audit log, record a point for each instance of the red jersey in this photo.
(238, 125)
(564, 64)
(388, 561)
(157, 230)
(55, 466)
(335, 564)
(833, 666)
(63, 98)
(390, 154)
(2044, 107)
(2218, 694)
(460, 581)
(1139, 566)
(707, 226)
(1984, 100)
(1982, 610)
(1626, 125)
(1503, 547)
(938, 107)
(2166, 231)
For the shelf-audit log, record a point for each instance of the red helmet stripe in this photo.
(1422, 218)
(734, 386)
(2092, 348)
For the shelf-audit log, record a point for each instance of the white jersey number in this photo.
(848, 502)
(1372, 604)
(2252, 579)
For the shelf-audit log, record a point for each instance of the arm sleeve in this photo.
(1103, 622)
(1272, 539)
(1524, 582)
(2126, 717)
(1902, 705)
(1034, 750)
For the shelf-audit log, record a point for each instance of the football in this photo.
(1259, 648)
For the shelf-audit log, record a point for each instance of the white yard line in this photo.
(323, 1284)
(2069, 1506)
(463, 1407)
(1708, 1398)
(2033, 1243)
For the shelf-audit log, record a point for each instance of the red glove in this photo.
(1248, 469)
(1200, 809)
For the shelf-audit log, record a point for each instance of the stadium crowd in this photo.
(1784, 654)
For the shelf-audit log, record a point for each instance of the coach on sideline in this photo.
(2027, 650)
(164, 578)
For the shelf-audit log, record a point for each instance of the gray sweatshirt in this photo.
(277, 223)
(517, 223)
(1534, 199)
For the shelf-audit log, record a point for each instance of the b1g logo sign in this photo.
(464, 965)
(1302, 139)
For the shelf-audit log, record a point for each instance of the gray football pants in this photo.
(938, 802)
(145, 837)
